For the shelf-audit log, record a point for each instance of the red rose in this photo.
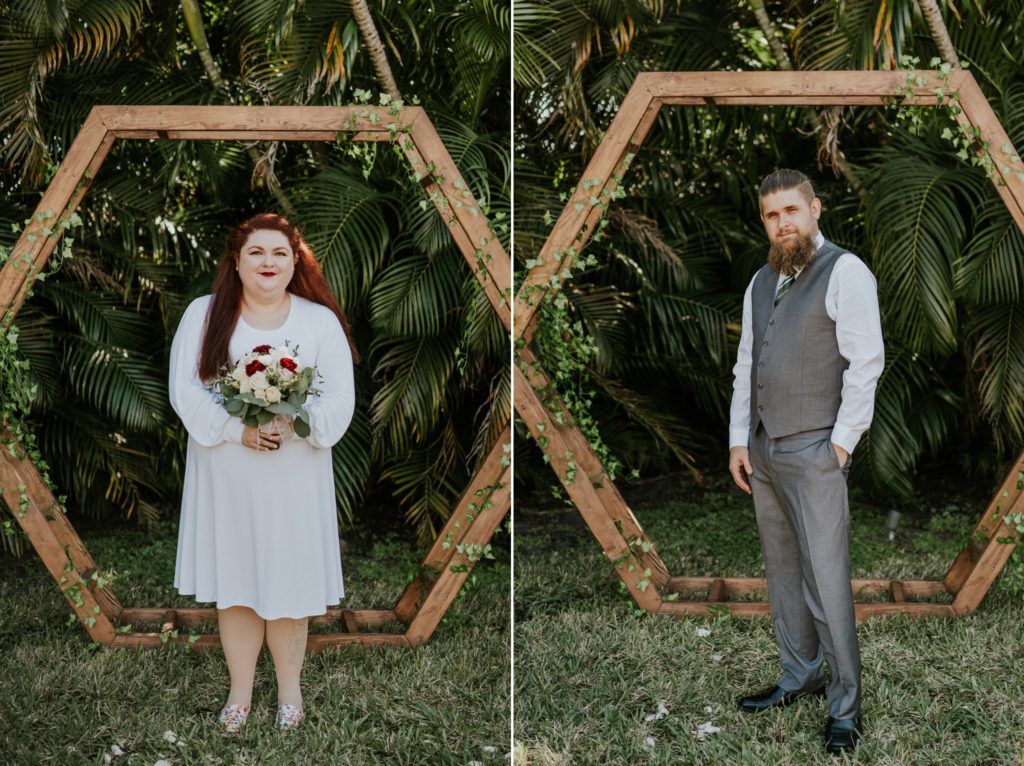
(261, 350)
(254, 366)
(289, 364)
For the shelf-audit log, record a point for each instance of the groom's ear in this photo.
(816, 208)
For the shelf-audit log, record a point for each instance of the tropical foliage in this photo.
(663, 305)
(433, 387)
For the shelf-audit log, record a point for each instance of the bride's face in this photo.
(266, 264)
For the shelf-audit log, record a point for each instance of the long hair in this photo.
(308, 282)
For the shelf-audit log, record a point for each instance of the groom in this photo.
(809, 358)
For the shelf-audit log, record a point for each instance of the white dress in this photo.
(259, 529)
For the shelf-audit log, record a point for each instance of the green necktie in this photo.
(784, 288)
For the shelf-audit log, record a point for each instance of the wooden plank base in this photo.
(314, 643)
(720, 589)
(190, 617)
(761, 609)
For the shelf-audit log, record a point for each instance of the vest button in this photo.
(760, 364)
(771, 321)
(759, 385)
(760, 407)
(766, 343)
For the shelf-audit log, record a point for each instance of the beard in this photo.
(786, 260)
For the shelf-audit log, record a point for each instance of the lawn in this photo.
(64, 701)
(600, 682)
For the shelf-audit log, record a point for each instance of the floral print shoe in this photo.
(288, 717)
(232, 718)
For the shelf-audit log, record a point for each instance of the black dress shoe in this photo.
(775, 697)
(841, 735)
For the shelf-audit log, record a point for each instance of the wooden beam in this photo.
(990, 562)
(574, 226)
(314, 643)
(897, 593)
(747, 586)
(269, 121)
(596, 497)
(811, 87)
(18, 476)
(762, 609)
(191, 617)
(61, 198)
(493, 507)
(987, 525)
(479, 245)
(456, 528)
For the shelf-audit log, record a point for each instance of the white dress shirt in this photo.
(851, 301)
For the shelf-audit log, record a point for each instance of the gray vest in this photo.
(796, 373)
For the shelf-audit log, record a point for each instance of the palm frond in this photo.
(415, 377)
(351, 460)
(127, 387)
(997, 334)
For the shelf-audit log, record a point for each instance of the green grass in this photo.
(590, 667)
(63, 701)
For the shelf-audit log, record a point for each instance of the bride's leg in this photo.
(286, 639)
(241, 635)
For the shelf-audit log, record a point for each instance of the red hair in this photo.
(308, 282)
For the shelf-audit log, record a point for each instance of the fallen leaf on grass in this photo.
(662, 712)
(705, 729)
(703, 632)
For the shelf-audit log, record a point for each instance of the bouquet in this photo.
(267, 382)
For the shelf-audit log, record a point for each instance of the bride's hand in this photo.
(283, 426)
(261, 441)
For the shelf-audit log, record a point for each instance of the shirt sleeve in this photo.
(204, 416)
(852, 301)
(330, 413)
(739, 411)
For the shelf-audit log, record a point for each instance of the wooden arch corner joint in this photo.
(599, 502)
(486, 499)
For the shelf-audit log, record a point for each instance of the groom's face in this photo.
(789, 218)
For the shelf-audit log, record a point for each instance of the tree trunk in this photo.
(368, 31)
(826, 130)
(940, 34)
(757, 6)
(262, 166)
(194, 22)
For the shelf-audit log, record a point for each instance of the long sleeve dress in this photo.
(259, 529)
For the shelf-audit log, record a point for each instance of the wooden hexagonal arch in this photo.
(483, 504)
(598, 500)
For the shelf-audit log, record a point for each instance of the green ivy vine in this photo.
(17, 389)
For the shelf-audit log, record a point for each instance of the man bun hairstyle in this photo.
(782, 179)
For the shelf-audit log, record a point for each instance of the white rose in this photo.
(286, 374)
(243, 386)
(239, 373)
(259, 381)
(272, 394)
(260, 393)
(280, 352)
(265, 359)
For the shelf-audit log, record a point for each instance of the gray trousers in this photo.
(803, 516)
